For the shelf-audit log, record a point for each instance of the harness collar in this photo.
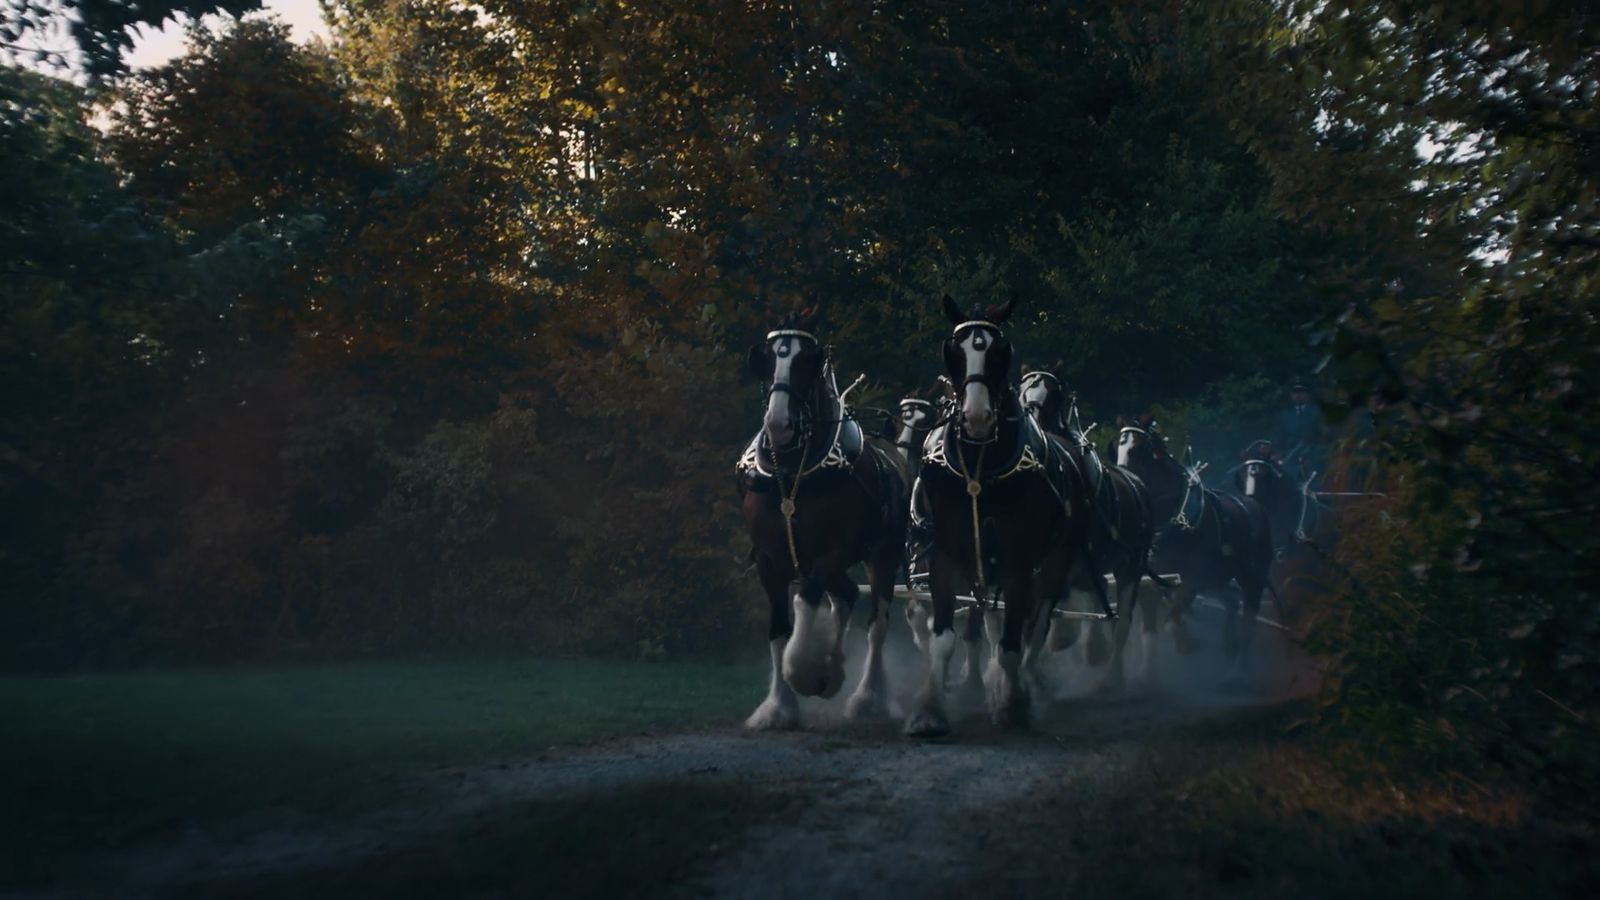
(791, 332)
(943, 450)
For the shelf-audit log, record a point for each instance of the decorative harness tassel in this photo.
(787, 507)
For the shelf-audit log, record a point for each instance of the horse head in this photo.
(1045, 399)
(977, 358)
(792, 364)
(1260, 473)
(915, 418)
(1141, 443)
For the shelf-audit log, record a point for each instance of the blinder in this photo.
(955, 362)
(759, 360)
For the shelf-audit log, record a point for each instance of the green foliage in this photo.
(102, 29)
(1482, 337)
(448, 350)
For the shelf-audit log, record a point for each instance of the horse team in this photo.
(994, 493)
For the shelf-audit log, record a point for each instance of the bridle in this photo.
(1251, 469)
(1124, 432)
(800, 405)
(906, 428)
(1027, 382)
(997, 396)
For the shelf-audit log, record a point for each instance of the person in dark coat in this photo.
(1299, 429)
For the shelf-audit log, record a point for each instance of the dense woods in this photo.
(428, 337)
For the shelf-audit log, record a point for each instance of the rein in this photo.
(1307, 498)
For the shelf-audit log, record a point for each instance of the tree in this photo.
(102, 29)
(1480, 334)
(98, 312)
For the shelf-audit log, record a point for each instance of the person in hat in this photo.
(1299, 435)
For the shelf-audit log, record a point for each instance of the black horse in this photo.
(1208, 538)
(1262, 475)
(1121, 526)
(818, 497)
(1002, 499)
(914, 419)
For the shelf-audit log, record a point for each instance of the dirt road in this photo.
(865, 811)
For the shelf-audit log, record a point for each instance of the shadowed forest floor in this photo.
(572, 778)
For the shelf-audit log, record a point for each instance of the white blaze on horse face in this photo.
(779, 421)
(1250, 480)
(1035, 395)
(908, 430)
(1125, 445)
(977, 407)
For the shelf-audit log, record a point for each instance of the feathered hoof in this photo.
(1015, 713)
(773, 715)
(970, 691)
(835, 677)
(813, 677)
(866, 706)
(1009, 705)
(927, 723)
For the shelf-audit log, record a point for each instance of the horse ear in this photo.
(1026, 368)
(999, 314)
(759, 360)
(952, 311)
(1121, 423)
(810, 318)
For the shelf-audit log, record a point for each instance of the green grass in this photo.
(98, 762)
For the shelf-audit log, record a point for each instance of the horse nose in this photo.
(779, 430)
